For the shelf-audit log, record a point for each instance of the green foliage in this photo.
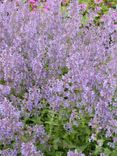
(64, 70)
(6, 146)
(2, 81)
(60, 140)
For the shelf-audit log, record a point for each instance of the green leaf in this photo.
(84, 20)
(56, 143)
(24, 1)
(59, 153)
(2, 81)
(107, 152)
(98, 149)
(64, 70)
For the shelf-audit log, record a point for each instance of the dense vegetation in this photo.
(58, 78)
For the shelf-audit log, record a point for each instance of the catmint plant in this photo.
(58, 80)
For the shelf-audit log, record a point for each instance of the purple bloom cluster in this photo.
(51, 61)
(71, 153)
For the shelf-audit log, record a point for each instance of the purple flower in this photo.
(29, 149)
(71, 153)
(50, 62)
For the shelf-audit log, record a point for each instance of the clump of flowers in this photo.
(98, 1)
(58, 81)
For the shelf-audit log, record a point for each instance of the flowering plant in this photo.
(58, 81)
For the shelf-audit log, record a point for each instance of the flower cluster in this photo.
(98, 1)
(58, 81)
